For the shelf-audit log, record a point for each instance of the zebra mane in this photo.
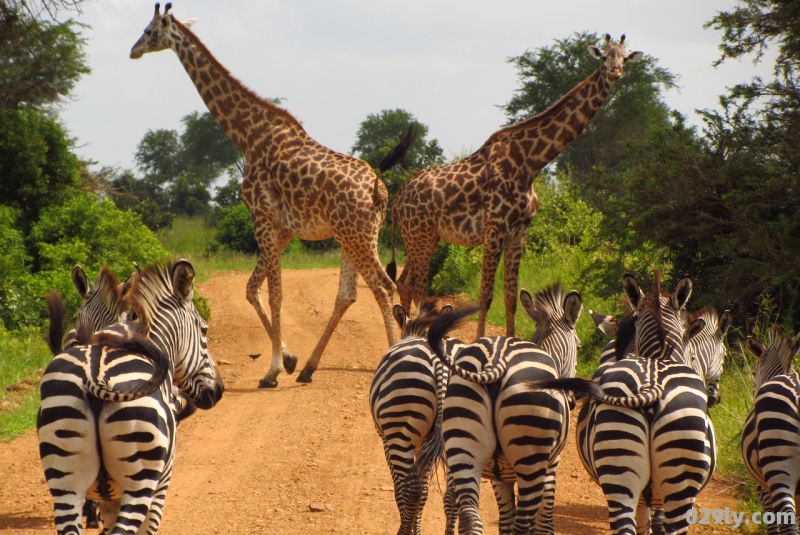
(626, 333)
(150, 286)
(427, 312)
(782, 349)
(709, 314)
(653, 303)
(549, 305)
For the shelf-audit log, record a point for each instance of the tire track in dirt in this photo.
(256, 462)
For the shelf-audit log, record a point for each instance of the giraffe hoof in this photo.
(304, 377)
(267, 383)
(289, 363)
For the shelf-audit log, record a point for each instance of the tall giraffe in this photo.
(293, 186)
(488, 198)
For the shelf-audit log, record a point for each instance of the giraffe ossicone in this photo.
(293, 186)
(488, 197)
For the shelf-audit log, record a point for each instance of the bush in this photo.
(460, 269)
(93, 234)
(235, 229)
(13, 260)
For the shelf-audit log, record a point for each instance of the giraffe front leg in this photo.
(492, 249)
(348, 289)
(271, 243)
(512, 257)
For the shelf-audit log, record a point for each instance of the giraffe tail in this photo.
(391, 269)
(400, 150)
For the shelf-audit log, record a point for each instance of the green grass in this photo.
(22, 355)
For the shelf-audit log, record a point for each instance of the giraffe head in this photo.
(159, 33)
(614, 57)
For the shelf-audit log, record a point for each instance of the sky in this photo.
(336, 61)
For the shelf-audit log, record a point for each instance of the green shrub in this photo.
(93, 234)
(235, 230)
(460, 269)
(13, 261)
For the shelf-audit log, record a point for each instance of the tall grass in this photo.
(23, 354)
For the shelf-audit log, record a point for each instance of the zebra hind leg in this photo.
(506, 504)
(450, 509)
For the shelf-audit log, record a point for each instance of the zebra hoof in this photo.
(289, 363)
(304, 377)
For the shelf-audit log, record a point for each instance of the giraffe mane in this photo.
(249, 93)
(552, 110)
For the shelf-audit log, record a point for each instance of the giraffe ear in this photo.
(635, 56)
(596, 52)
(190, 22)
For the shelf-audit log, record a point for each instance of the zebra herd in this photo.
(499, 409)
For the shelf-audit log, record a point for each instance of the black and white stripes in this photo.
(123, 450)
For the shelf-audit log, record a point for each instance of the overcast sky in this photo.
(336, 61)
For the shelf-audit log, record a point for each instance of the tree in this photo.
(634, 107)
(40, 61)
(145, 196)
(36, 164)
(379, 133)
(205, 149)
(726, 202)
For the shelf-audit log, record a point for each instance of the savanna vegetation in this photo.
(639, 189)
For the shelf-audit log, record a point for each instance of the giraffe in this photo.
(293, 186)
(488, 198)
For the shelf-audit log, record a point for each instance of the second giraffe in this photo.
(488, 198)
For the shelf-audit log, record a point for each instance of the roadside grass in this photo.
(23, 356)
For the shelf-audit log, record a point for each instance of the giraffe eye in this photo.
(148, 32)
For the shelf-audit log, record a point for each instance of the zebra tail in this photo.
(449, 321)
(445, 323)
(55, 333)
(136, 344)
(432, 452)
(584, 388)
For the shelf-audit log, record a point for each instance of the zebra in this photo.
(705, 353)
(494, 428)
(771, 434)
(406, 398)
(656, 456)
(106, 423)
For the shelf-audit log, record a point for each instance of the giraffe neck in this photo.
(239, 111)
(538, 140)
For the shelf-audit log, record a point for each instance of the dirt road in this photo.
(259, 460)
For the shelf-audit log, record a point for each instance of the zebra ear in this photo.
(400, 316)
(446, 309)
(573, 305)
(527, 303)
(724, 323)
(80, 281)
(695, 328)
(109, 288)
(755, 347)
(608, 325)
(682, 292)
(183, 280)
(632, 290)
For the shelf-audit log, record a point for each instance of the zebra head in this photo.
(707, 350)
(161, 298)
(775, 359)
(659, 325)
(427, 312)
(556, 316)
(103, 303)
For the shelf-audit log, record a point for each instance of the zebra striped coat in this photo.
(705, 353)
(106, 425)
(656, 455)
(771, 434)
(406, 399)
(493, 427)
